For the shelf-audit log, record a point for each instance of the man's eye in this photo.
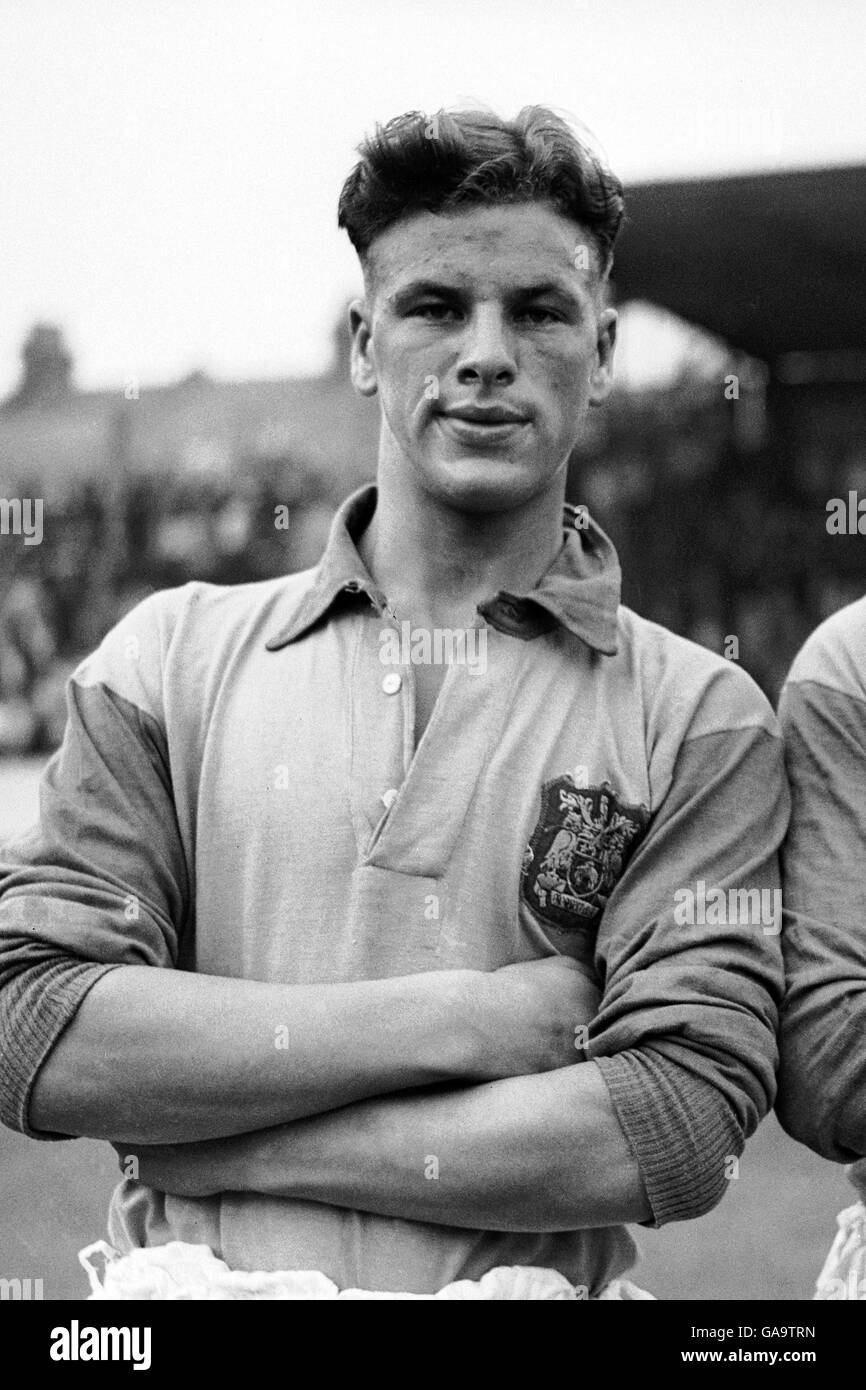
(540, 316)
(436, 313)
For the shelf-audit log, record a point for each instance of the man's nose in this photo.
(487, 354)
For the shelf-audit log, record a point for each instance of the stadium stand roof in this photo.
(773, 262)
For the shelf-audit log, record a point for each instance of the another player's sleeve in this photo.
(101, 880)
(686, 1034)
(822, 1078)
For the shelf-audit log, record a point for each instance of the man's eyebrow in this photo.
(415, 288)
(438, 289)
(542, 287)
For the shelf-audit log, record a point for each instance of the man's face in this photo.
(485, 334)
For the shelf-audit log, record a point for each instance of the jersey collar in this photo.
(580, 591)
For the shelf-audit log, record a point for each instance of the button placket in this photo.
(380, 715)
(418, 836)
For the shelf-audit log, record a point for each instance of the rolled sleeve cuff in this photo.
(37, 1007)
(681, 1129)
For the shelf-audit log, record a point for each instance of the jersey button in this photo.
(392, 682)
(389, 797)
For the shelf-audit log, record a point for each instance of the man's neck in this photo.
(435, 564)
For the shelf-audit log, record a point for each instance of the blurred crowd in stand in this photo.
(107, 547)
(717, 508)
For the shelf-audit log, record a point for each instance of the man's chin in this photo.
(483, 483)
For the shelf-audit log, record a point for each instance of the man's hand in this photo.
(532, 1017)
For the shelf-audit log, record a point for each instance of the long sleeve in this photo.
(686, 1035)
(822, 1079)
(101, 880)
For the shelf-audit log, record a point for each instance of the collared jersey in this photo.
(241, 763)
(822, 708)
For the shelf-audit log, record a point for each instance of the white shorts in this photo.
(179, 1271)
(844, 1272)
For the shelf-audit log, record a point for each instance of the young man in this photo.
(428, 1002)
(822, 1077)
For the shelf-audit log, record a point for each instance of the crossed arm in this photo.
(522, 1137)
(533, 1153)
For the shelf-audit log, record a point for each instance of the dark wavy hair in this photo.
(457, 159)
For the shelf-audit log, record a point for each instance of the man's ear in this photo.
(601, 377)
(362, 368)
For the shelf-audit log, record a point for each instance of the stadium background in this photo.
(714, 486)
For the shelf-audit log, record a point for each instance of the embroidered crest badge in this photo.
(581, 844)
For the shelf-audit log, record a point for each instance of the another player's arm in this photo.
(822, 1072)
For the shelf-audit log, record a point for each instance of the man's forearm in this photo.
(534, 1153)
(164, 1056)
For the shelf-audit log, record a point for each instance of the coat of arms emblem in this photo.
(581, 844)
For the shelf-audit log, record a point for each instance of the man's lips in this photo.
(485, 415)
(482, 427)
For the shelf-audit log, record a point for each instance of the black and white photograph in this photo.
(433, 663)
